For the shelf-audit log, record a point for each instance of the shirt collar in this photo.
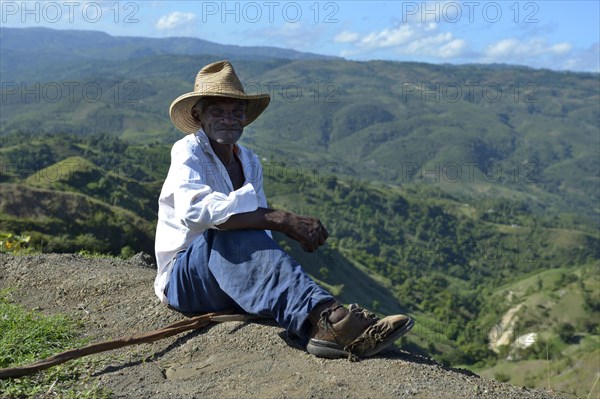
(202, 140)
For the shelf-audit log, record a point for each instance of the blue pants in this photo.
(244, 269)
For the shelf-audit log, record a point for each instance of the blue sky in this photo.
(560, 35)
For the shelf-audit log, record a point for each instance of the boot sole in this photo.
(332, 350)
(325, 349)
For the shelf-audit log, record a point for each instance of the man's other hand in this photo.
(308, 231)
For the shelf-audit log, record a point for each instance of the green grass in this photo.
(28, 336)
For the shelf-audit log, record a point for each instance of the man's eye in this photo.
(219, 113)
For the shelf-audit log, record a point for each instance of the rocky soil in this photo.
(114, 298)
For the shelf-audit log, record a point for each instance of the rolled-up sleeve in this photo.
(198, 207)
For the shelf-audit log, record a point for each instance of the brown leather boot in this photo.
(359, 334)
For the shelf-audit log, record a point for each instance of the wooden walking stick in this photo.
(165, 332)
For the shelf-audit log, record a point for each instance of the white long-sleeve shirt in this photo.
(198, 195)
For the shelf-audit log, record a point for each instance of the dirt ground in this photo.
(114, 298)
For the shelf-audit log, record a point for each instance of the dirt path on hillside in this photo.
(230, 360)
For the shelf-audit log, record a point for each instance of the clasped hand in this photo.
(308, 231)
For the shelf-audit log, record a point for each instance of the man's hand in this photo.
(308, 231)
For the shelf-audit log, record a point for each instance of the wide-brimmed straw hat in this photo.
(215, 80)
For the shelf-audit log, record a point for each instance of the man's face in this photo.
(222, 118)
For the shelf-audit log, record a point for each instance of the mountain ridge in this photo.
(98, 43)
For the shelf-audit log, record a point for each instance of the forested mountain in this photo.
(461, 194)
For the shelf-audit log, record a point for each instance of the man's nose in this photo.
(227, 120)
(229, 117)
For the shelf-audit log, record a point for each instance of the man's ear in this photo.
(195, 115)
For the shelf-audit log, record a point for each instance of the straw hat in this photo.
(215, 80)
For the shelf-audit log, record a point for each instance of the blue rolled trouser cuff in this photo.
(244, 269)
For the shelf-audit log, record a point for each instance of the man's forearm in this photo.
(308, 231)
(260, 219)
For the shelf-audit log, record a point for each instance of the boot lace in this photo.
(324, 320)
(356, 311)
(371, 336)
(364, 313)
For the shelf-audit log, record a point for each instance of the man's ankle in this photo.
(335, 316)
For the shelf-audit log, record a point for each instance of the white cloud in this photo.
(453, 48)
(389, 37)
(502, 48)
(561, 48)
(539, 53)
(175, 20)
(417, 39)
(507, 49)
(346, 37)
(442, 45)
(584, 60)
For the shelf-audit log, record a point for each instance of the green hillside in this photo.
(59, 221)
(478, 130)
(562, 307)
(77, 174)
